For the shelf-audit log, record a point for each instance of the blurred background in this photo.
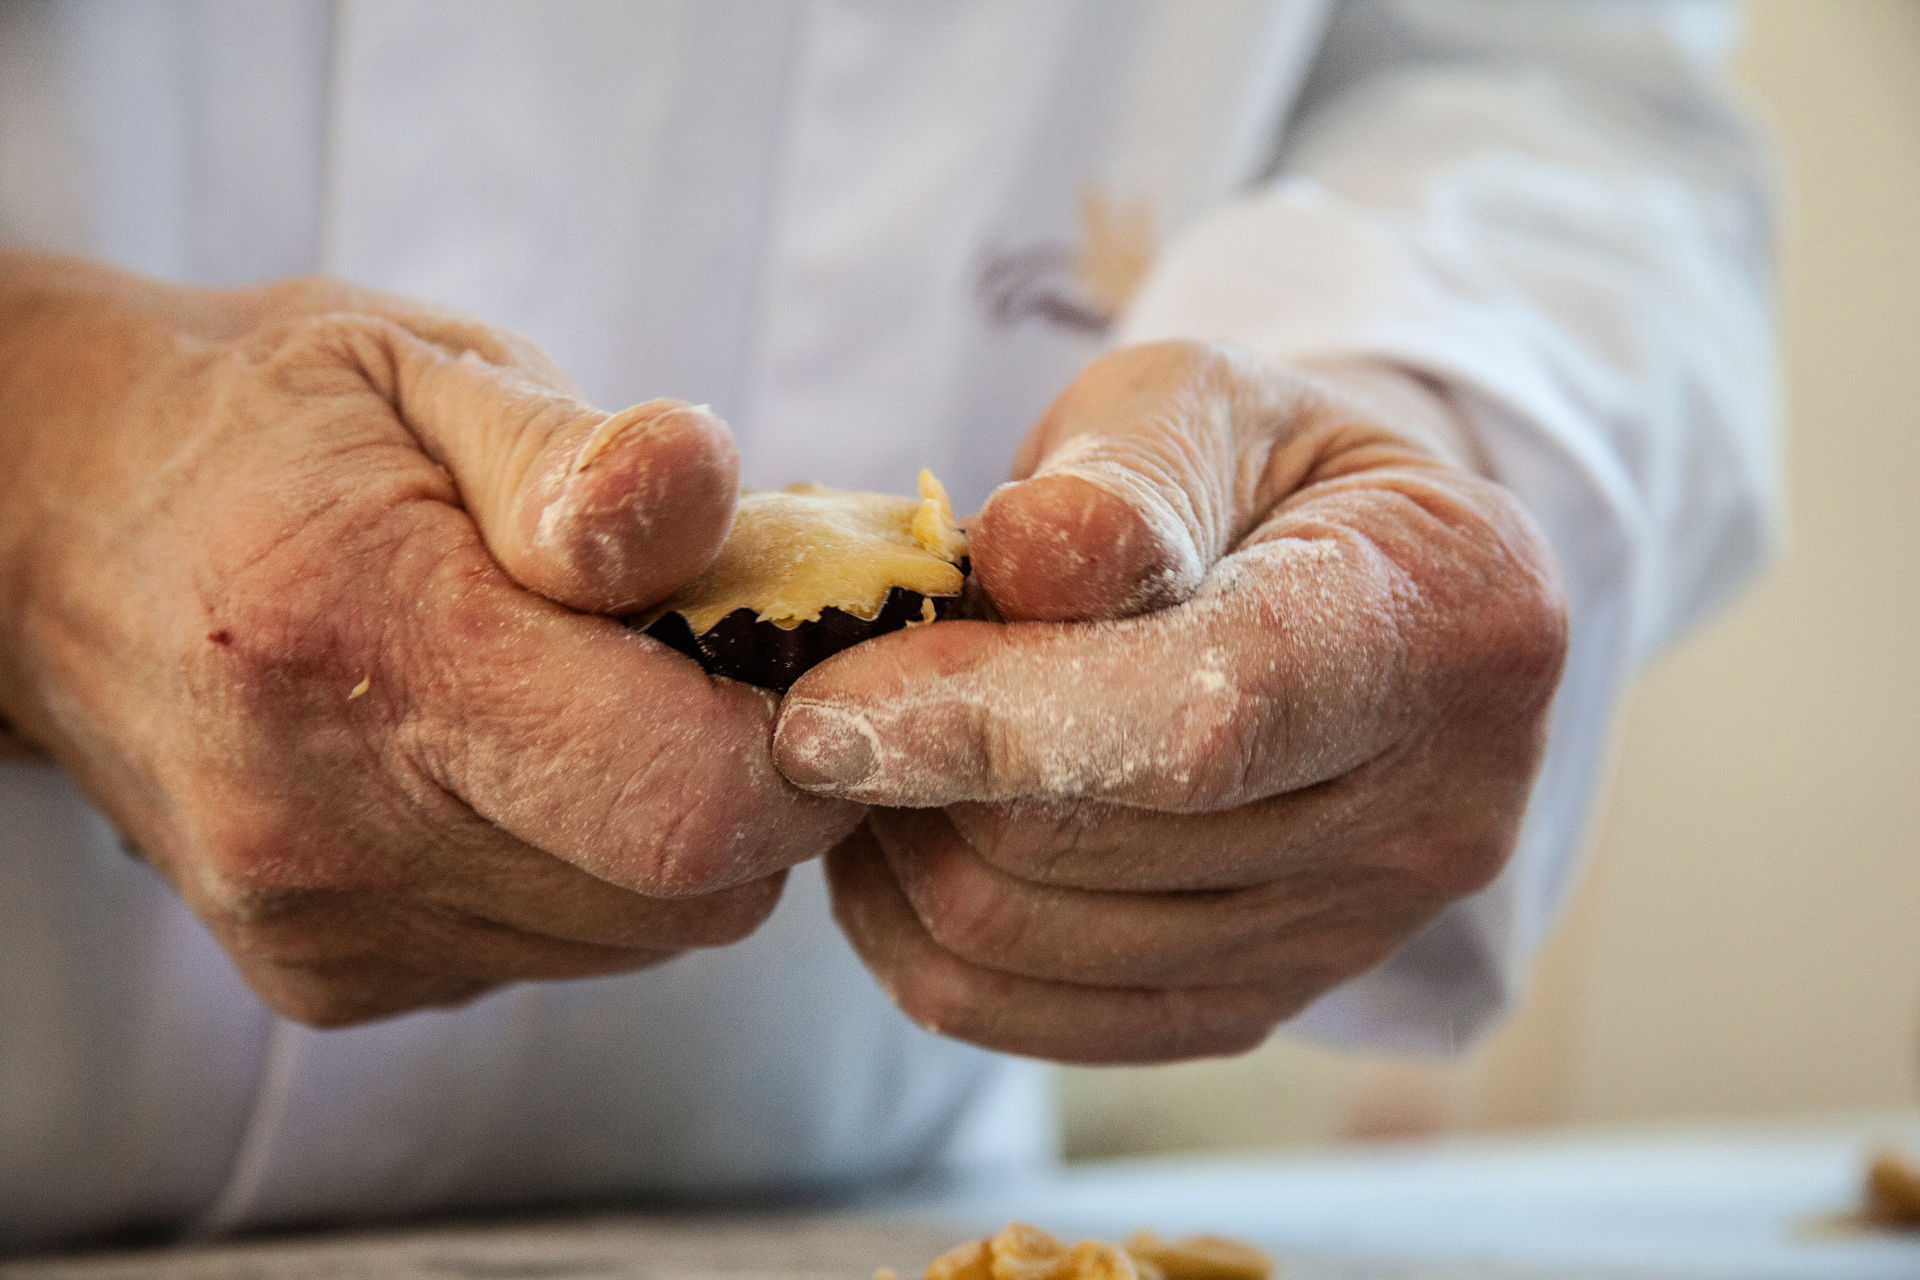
(1747, 940)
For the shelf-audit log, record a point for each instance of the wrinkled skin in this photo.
(300, 583)
(290, 588)
(1272, 692)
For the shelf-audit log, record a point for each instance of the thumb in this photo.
(606, 513)
(1125, 494)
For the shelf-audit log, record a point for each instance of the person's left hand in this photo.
(1272, 692)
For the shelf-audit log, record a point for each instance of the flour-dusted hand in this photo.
(291, 588)
(1272, 692)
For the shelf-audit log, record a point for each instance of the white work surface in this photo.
(1680, 1204)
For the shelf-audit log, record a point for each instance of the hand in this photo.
(1272, 691)
(290, 580)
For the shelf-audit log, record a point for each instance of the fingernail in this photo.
(823, 749)
(626, 420)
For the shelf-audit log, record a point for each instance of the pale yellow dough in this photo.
(1023, 1252)
(797, 551)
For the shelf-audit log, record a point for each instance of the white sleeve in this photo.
(1555, 211)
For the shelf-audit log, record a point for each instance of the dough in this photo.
(807, 572)
(1022, 1252)
(803, 549)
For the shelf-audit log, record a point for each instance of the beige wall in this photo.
(1748, 942)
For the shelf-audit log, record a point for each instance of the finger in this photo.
(1445, 812)
(1289, 667)
(1131, 486)
(1320, 927)
(472, 947)
(488, 876)
(602, 512)
(1064, 1022)
(582, 738)
(329, 927)
(345, 993)
(1114, 848)
(1371, 608)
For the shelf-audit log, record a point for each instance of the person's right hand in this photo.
(303, 585)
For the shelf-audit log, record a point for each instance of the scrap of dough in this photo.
(797, 551)
(1199, 1257)
(1893, 1192)
(1023, 1252)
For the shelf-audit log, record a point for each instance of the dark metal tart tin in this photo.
(741, 647)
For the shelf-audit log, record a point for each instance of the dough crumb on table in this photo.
(1023, 1252)
(1893, 1192)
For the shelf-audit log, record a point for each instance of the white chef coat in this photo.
(849, 226)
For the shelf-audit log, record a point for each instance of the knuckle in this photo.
(326, 353)
(1220, 746)
(257, 858)
(1531, 648)
(1520, 629)
(1004, 759)
(1215, 1023)
(937, 1002)
(1021, 840)
(338, 334)
(249, 866)
(705, 810)
(281, 927)
(320, 297)
(317, 343)
(699, 847)
(982, 923)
